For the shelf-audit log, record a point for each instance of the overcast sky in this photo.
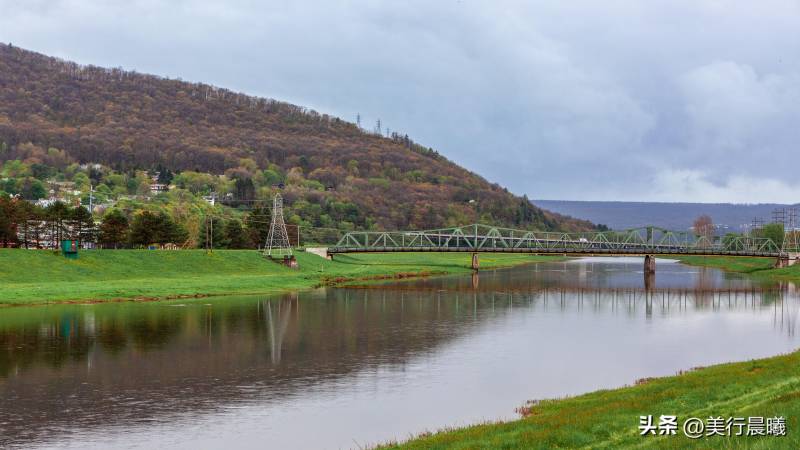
(677, 100)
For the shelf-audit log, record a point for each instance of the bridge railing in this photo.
(482, 237)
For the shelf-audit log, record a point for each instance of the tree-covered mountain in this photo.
(55, 113)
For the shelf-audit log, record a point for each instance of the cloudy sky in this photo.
(675, 100)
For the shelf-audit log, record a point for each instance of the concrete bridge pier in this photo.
(649, 264)
(649, 281)
(786, 260)
(475, 262)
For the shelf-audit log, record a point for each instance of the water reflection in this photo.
(234, 370)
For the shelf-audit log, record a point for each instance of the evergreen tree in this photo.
(7, 213)
(235, 234)
(169, 232)
(257, 225)
(164, 175)
(114, 229)
(143, 229)
(56, 214)
(244, 189)
(83, 228)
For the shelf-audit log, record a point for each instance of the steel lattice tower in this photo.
(278, 240)
(791, 243)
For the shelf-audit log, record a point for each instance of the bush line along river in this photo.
(376, 363)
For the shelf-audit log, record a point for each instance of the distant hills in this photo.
(129, 121)
(673, 216)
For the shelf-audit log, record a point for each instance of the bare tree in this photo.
(704, 227)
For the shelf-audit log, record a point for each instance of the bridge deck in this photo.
(560, 251)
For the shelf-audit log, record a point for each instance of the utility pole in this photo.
(91, 199)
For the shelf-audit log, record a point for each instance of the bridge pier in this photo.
(649, 281)
(475, 262)
(786, 260)
(649, 264)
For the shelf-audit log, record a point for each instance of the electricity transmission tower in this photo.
(790, 237)
(779, 216)
(277, 245)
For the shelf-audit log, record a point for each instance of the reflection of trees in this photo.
(153, 330)
(53, 343)
(131, 362)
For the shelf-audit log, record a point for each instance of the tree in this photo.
(773, 231)
(244, 189)
(164, 175)
(83, 230)
(56, 213)
(257, 225)
(235, 235)
(114, 229)
(33, 189)
(704, 228)
(7, 229)
(149, 228)
(143, 229)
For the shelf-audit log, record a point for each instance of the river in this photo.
(349, 367)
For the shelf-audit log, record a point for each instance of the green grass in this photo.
(760, 269)
(609, 418)
(732, 264)
(35, 276)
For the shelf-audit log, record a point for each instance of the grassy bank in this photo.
(609, 418)
(758, 268)
(32, 276)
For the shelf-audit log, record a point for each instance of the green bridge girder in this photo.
(485, 238)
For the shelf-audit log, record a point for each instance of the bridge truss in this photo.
(484, 238)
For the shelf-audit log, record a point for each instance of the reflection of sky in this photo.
(444, 356)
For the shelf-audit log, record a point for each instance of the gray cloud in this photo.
(687, 100)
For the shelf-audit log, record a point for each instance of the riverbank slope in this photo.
(38, 277)
(610, 418)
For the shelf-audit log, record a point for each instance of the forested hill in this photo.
(56, 113)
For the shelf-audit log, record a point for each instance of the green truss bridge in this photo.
(644, 241)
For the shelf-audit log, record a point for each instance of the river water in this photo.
(348, 367)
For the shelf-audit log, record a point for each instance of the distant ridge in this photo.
(673, 216)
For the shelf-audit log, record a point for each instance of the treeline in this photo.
(51, 110)
(25, 225)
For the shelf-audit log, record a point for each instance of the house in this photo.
(45, 202)
(211, 199)
(157, 188)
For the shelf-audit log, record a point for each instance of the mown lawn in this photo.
(35, 276)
